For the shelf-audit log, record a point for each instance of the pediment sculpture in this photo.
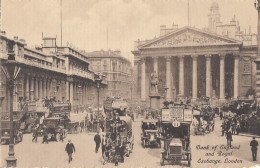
(187, 38)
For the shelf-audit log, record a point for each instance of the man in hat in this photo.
(229, 138)
(70, 148)
(97, 140)
(254, 145)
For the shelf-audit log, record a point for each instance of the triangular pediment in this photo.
(189, 36)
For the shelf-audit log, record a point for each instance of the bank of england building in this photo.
(49, 71)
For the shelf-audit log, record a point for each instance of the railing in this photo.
(40, 65)
(81, 73)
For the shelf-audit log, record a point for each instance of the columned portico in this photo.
(222, 77)
(155, 65)
(71, 93)
(168, 78)
(67, 90)
(143, 83)
(201, 66)
(27, 87)
(44, 87)
(194, 77)
(236, 73)
(32, 88)
(36, 88)
(208, 76)
(40, 89)
(181, 75)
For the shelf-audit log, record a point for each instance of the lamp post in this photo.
(98, 82)
(165, 92)
(11, 70)
(257, 7)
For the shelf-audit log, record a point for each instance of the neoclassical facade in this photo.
(192, 63)
(48, 71)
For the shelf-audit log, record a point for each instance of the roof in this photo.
(189, 36)
(151, 130)
(106, 54)
(150, 120)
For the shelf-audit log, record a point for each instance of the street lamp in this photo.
(11, 70)
(98, 82)
(165, 90)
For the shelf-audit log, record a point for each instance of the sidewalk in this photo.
(246, 134)
(249, 135)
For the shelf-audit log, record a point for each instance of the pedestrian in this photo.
(35, 135)
(229, 138)
(45, 138)
(254, 145)
(70, 148)
(61, 135)
(117, 154)
(238, 128)
(97, 140)
(103, 150)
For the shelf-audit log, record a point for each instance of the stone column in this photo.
(36, 88)
(155, 65)
(194, 77)
(181, 75)
(208, 76)
(71, 93)
(143, 80)
(222, 77)
(50, 90)
(32, 88)
(47, 88)
(27, 87)
(43, 87)
(67, 90)
(236, 75)
(40, 89)
(168, 78)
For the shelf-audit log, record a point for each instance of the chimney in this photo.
(162, 30)
(174, 26)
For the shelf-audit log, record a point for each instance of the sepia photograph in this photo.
(129, 83)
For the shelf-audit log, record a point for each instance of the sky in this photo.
(113, 24)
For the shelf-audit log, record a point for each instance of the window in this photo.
(258, 65)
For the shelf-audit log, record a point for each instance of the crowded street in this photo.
(53, 154)
(129, 83)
